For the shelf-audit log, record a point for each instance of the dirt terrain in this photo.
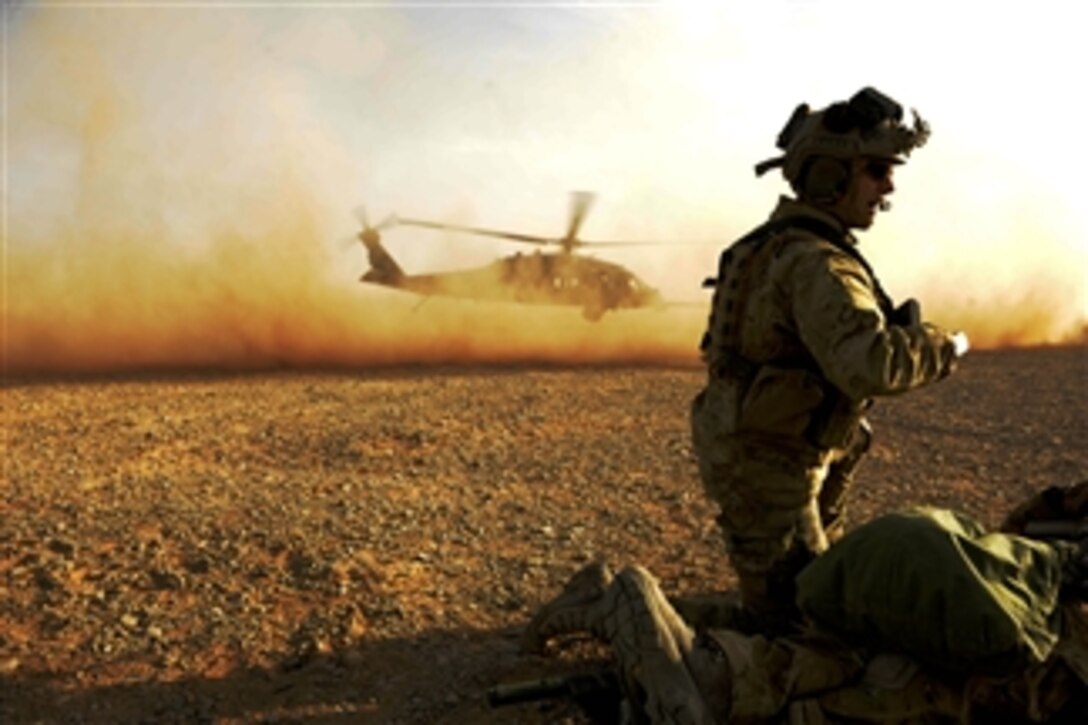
(364, 546)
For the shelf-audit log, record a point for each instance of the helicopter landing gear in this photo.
(593, 312)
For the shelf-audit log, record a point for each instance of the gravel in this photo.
(366, 545)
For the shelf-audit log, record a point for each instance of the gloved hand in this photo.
(960, 344)
(908, 314)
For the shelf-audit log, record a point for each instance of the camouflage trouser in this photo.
(667, 675)
(817, 681)
(673, 679)
(780, 502)
(840, 479)
(673, 675)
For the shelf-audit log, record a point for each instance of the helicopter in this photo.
(544, 278)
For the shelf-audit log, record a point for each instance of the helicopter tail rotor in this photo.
(383, 269)
(364, 219)
(369, 234)
(360, 213)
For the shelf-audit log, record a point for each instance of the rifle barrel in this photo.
(579, 686)
(545, 688)
(1058, 529)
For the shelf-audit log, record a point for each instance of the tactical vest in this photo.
(740, 268)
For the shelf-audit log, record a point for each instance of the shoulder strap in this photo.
(758, 236)
(739, 252)
(837, 238)
(823, 230)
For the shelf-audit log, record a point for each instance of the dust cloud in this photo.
(1029, 314)
(110, 304)
(197, 239)
(169, 210)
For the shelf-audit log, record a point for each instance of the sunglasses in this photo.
(878, 170)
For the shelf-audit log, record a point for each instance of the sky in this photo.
(179, 179)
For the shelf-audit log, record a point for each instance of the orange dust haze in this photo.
(91, 303)
(117, 304)
(170, 209)
(159, 225)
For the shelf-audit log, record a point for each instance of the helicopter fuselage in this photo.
(546, 278)
(557, 278)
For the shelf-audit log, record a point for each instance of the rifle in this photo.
(599, 693)
(1064, 529)
(1071, 531)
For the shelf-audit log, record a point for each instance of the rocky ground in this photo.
(345, 547)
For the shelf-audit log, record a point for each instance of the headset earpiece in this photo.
(825, 180)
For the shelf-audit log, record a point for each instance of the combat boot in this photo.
(665, 673)
(571, 611)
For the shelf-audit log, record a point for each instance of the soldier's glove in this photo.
(955, 343)
(908, 314)
(960, 344)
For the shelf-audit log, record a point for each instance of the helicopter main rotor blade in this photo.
(580, 201)
(610, 243)
(642, 243)
(527, 238)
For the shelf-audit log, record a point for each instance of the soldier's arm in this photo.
(841, 323)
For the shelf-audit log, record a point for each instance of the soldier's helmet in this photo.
(869, 125)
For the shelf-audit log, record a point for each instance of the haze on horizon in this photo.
(179, 181)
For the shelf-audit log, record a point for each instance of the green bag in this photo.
(934, 585)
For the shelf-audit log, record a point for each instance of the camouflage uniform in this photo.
(664, 668)
(801, 338)
(674, 674)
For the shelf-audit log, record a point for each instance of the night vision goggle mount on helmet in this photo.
(869, 125)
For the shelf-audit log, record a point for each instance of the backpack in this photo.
(936, 586)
